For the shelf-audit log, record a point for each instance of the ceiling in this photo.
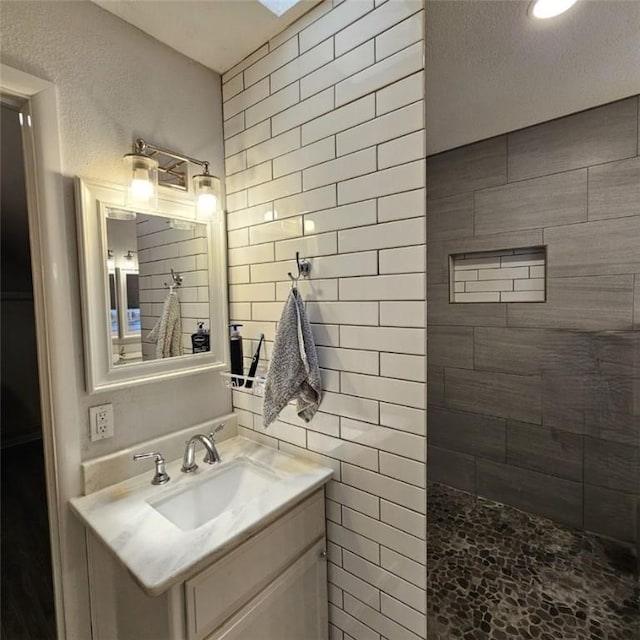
(216, 33)
(492, 69)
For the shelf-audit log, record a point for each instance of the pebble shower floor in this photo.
(495, 572)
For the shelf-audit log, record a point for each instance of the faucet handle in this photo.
(161, 476)
(212, 435)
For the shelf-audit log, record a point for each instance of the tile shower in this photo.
(534, 407)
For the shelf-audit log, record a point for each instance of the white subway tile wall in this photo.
(324, 134)
(160, 249)
(513, 275)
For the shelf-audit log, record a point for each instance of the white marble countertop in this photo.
(156, 552)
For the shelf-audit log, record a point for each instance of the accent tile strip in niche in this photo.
(511, 275)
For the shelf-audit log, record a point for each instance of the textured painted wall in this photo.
(324, 138)
(538, 404)
(494, 69)
(115, 83)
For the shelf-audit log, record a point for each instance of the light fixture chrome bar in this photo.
(142, 145)
(173, 167)
(156, 161)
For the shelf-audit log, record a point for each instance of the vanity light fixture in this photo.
(151, 165)
(207, 192)
(544, 9)
(182, 225)
(142, 178)
(121, 214)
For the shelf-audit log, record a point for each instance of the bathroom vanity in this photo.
(234, 550)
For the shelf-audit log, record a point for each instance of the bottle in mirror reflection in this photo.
(200, 340)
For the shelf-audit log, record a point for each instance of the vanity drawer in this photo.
(216, 593)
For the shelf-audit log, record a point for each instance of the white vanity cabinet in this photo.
(272, 586)
(292, 607)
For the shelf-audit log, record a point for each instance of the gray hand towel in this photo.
(293, 370)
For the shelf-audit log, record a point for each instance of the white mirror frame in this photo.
(92, 201)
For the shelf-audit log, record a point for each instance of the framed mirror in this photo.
(154, 289)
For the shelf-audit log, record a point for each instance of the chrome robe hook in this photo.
(176, 280)
(304, 267)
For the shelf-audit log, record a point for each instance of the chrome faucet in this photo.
(211, 457)
(161, 476)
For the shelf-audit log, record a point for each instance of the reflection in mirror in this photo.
(113, 305)
(133, 302)
(128, 300)
(157, 316)
(142, 250)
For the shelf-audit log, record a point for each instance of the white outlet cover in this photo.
(101, 422)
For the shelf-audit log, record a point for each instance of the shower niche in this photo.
(509, 275)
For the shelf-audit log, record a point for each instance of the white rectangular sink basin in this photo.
(227, 489)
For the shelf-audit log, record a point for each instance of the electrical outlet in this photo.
(101, 422)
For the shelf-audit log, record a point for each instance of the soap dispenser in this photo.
(200, 340)
(237, 357)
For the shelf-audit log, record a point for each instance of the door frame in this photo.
(52, 296)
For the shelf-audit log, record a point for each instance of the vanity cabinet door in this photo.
(292, 607)
(229, 584)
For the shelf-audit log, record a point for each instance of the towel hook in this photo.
(176, 278)
(304, 268)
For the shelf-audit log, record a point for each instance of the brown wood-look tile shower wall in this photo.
(538, 404)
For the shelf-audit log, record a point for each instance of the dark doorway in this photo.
(28, 609)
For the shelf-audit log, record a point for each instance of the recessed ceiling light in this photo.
(278, 7)
(549, 8)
